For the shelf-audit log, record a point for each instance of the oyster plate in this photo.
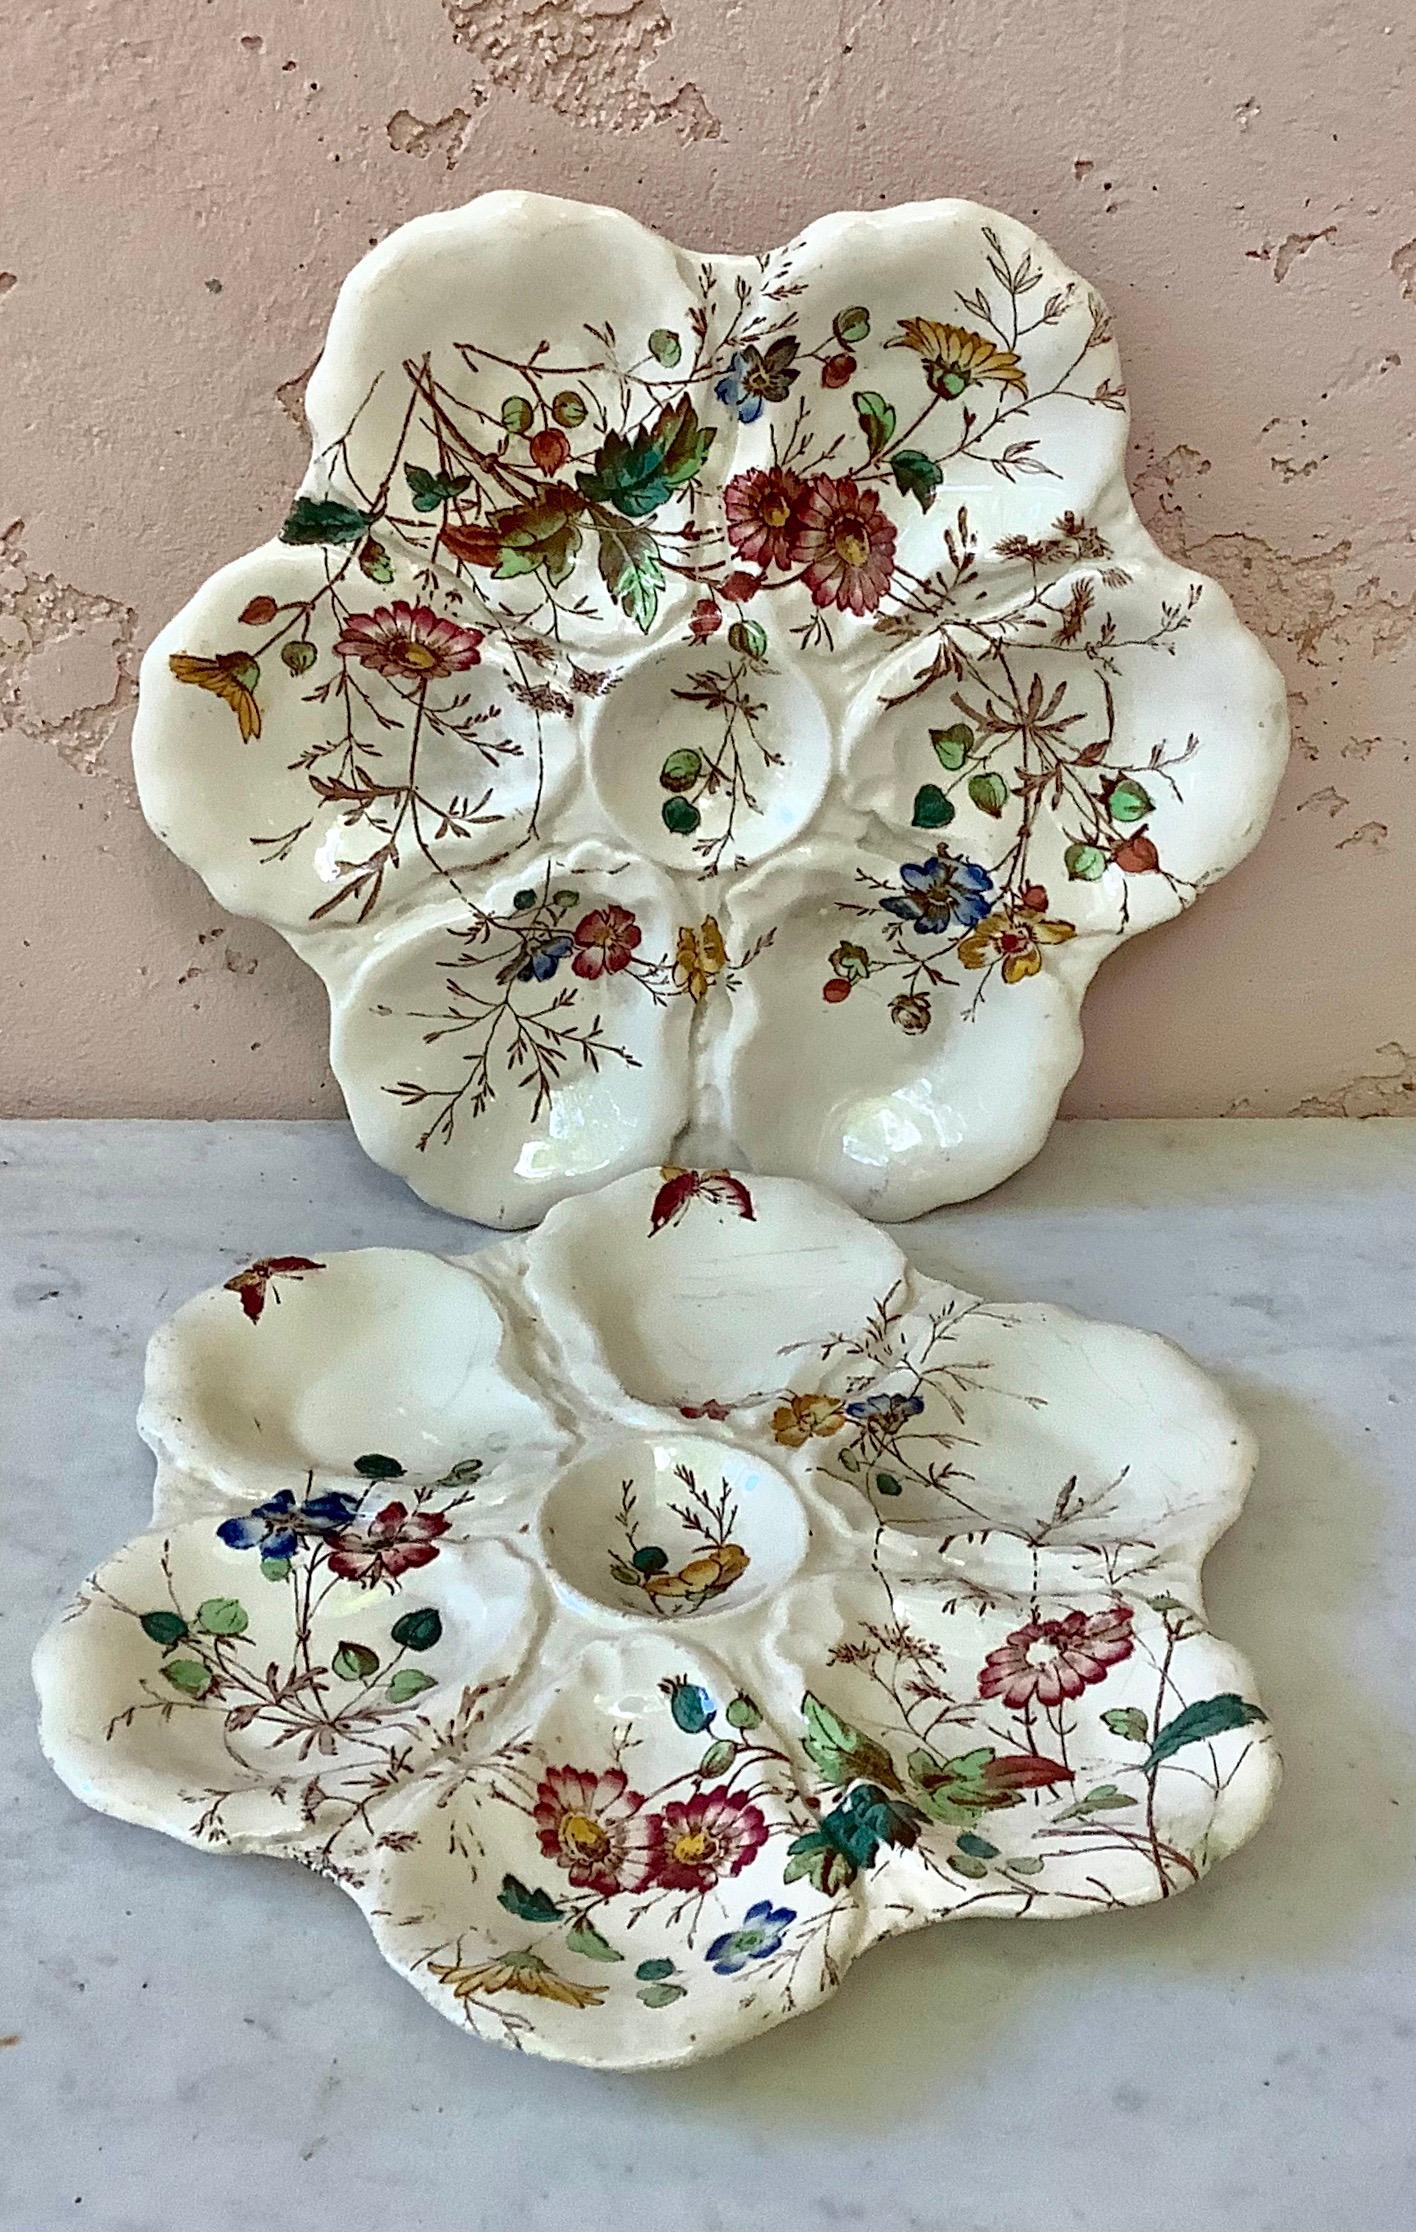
(719, 709)
(641, 1620)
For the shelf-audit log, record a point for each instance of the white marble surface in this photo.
(208, 2041)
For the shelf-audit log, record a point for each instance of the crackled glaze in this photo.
(641, 1620)
(712, 707)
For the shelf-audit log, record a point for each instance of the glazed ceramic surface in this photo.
(712, 707)
(641, 1620)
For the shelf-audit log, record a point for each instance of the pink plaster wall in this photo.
(186, 181)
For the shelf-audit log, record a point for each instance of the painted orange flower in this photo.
(846, 543)
(764, 510)
(1014, 939)
(232, 676)
(801, 1416)
(410, 642)
(955, 359)
(698, 958)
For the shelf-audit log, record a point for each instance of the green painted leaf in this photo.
(653, 1972)
(718, 1758)
(1027, 1864)
(877, 419)
(222, 1616)
(681, 769)
(355, 1662)
(165, 1628)
(189, 1676)
(1128, 801)
(952, 745)
(1209, 1716)
(967, 1865)
(649, 1559)
(313, 519)
(665, 347)
(748, 637)
(851, 326)
(527, 1903)
(989, 793)
(462, 1474)
(954, 1790)
(886, 1484)
(979, 1847)
(932, 810)
(276, 1569)
(407, 1683)
(418, 1631)
(817, 1857)
(662, 1995)
(375, 563)
(586, 1940)
(630, 570)
(843, 1754)
(542, 536)
(639, 472)
(744, 1712)
(375, 1467)
(916, 475)
(691, 1706)
(1127, 1721)
(1084, 863)
(680, 816)
(1106, 1798)
(429, 490)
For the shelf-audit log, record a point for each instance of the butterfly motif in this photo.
(680, 1187)
(253, 1283)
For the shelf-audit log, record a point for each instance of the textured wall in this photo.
(186, 181)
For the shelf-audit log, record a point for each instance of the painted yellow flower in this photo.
(801, 1416)
(232, 677)
(955, 359)
(698, 958)
(1015, 940)
(517, 1972)
(708, 1575)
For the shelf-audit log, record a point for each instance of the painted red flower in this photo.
(395, 1541)
(847, 543)
(1051, 1659)
(710, 1835)
(591, 1826)
(605, 941)
(411, 642)
(764, 509)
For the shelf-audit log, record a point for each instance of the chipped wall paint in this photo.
(185, 185)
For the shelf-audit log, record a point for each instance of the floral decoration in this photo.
(934, 1647)
(611, 665)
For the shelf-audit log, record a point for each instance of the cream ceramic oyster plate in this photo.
(719, 709)
(641, 1620)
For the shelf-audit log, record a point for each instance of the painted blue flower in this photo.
(733, 390)
(939, 891)
(759, 1933)
(885, 1413)
(541, 964)
(274, 1528)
